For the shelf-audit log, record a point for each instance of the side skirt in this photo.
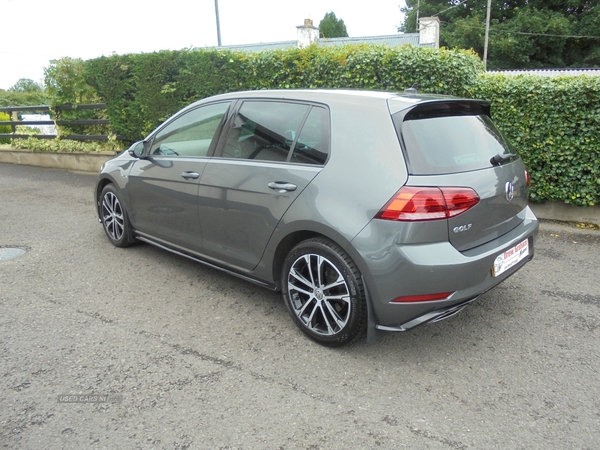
(206, 263)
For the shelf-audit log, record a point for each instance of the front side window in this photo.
(190, 134)
(267, 131)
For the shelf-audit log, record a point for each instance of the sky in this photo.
(37, 31)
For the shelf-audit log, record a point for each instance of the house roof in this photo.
(393, 40)
(550, 72)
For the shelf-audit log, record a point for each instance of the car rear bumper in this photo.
(395, 269)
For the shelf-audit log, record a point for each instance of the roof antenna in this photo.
(412, 90)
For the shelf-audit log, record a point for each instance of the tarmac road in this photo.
(182, 356)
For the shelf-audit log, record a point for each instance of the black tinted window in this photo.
(451, 143)
(264, 130)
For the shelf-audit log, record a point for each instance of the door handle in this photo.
(282, 186)
(190, 175)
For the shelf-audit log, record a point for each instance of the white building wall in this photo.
(429, 31)
(307, 34)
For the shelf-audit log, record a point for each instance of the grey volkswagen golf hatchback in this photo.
(367, 210)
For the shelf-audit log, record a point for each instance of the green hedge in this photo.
(554, 123)
(143, 90)
(365, 67)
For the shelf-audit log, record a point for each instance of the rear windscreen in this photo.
(454, 141)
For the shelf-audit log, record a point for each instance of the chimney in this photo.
(429, 31)
(307, 34)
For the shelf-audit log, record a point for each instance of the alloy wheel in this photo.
(112, 216)
(319, 294)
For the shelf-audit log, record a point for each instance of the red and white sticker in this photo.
(510, 258)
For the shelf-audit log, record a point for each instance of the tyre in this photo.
(323, 290)
(114, 218)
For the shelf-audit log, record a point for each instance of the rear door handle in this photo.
(282, 186)
(190, 175)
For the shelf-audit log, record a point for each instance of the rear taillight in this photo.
(527, 180)
(428, 203)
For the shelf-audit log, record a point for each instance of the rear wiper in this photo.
(500, 159)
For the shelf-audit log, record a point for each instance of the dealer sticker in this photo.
(510, 258)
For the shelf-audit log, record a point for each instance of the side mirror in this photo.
(137, 149)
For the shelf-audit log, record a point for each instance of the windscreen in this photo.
(450, 139)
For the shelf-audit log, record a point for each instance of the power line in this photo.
(576, 36)
(573, 36)
(448, 9)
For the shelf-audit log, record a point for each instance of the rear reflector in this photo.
(428, 203)
(422, 298)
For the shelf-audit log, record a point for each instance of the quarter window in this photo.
(312, 146)
(190, 134)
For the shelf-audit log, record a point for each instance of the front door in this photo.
(163, 187)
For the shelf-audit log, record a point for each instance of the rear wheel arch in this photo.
(285, 246)
(294, 237)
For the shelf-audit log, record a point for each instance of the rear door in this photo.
(456, 144)
(272, 151)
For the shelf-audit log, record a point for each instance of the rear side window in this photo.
(451, 140)
(279, 132)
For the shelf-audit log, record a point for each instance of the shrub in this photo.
(63, 145)
(4, 117)
(66, 85)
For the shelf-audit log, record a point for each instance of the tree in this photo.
(26, 85)
(523, 33)
(25, 92)
(66, 83)
(332, 27)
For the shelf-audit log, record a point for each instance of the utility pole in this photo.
(487, 33)
(218, 23)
